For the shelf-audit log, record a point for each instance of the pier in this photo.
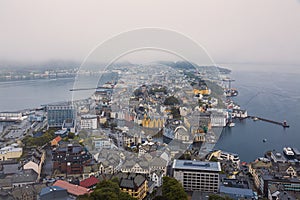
(283, 124)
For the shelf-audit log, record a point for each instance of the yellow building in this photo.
(135, 185)
(153, 123)
(10, 152)
(202, 91)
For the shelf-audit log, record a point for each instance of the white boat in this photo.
(288, 151)
(231, 124)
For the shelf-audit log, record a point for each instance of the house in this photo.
(56, 141)
(136, 185)
(90, 170)
(109, 160)
(70, 158)
(36, 161)
(61, 133)
(89, 122)
(28, 192)
(131, 139)
(10, 152)
(90, 182)
(103, 143)
(9, 167)
(182, 134)
(26, 177)
(54, 192)
(143, 166)
(74, 190)
(156, 177)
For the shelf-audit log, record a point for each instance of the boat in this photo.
(231, 92)
(255, 119)
(265, 140)
(231, 124)
(284, 124)
(288, 151)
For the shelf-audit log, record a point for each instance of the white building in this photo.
(156, 177)
(103, 143)
(222, 155)
(10, 152)
(218, 119)
(197, 175)
(89, 122)
(10, 115)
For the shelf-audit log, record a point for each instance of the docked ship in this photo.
(232, 92)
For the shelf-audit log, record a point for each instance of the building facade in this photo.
(58, 113)
(10, 152)
(89, 122)
(197, 175)
(70, 158)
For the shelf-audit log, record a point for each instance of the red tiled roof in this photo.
(58, 138)
(75, 190)
(89, 182)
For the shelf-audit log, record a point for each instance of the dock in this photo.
(283, 124)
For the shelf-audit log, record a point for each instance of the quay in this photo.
(283, 124)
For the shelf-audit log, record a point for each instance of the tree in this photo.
(108, 190)
(176, 113)
(217, 197)
(71, 135)
(30, 141)
(172, 189)
(171, 101)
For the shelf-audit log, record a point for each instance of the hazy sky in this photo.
(265, 31)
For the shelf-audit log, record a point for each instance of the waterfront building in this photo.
(284, 176)
(238, 113)
(58, 113)
(10, 116)
(197, 175)
(222, 155)
(218, 118)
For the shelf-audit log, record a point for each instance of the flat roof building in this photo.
(197, 175)
(58, 113)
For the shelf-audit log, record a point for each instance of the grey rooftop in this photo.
(196, 165)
